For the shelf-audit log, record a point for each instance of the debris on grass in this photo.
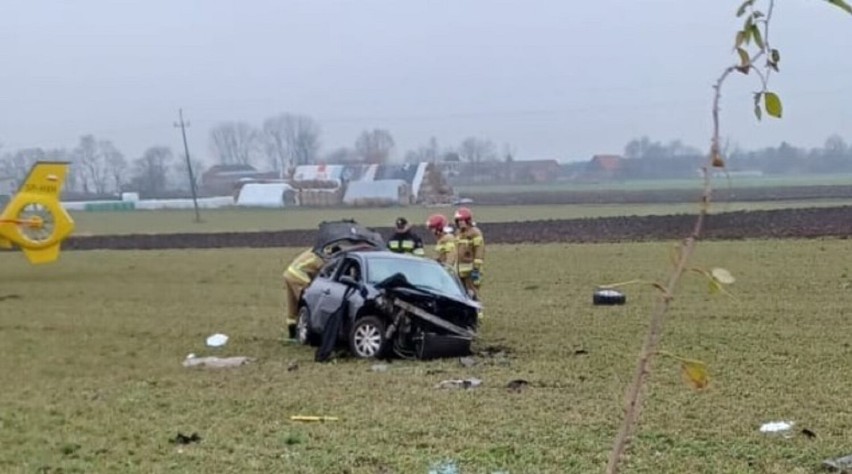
(69, 449)
(467, 361)
(808, 433)
(10, 297)
(517, 385)
(216, 362)
(293, 365)
(217, 340)
(379, 368)
(313, 418)
(842, 465)
(184, 439)
(580, 352)
(444, 467)
(459, 383)
(777, 427)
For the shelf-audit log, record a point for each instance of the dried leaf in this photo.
(722, 276)
(742, 9)
(744, 59)
(696, 372)
(775, 55)
(718, 162)
(741, 38)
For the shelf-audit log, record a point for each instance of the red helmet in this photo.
(463, 214)
(436, 222)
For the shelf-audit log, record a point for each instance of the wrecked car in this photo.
(336, 236)
(381, 303)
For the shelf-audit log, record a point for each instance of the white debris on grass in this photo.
(776, 426)
(217, 340)
(216, 362)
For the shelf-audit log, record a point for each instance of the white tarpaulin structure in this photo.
(264, 194)
(387, 191)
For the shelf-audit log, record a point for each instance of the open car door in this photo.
(345, 234)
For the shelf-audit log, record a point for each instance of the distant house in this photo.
(223, 180)
(534, 171)
(604, 167)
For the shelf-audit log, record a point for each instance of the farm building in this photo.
(221, 180)
(604, 167)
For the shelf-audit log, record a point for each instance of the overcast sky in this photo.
(553, 78)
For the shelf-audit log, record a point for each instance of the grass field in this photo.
(92, 377)
(246, 220)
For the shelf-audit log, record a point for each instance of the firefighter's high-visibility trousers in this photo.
(295, 281)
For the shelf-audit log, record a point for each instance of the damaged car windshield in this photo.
(424, 275)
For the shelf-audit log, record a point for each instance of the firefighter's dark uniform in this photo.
(404, 240)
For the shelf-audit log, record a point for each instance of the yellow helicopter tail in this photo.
(34, 218)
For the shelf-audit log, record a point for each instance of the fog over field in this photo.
(548, 79)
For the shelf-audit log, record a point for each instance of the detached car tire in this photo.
(304, 334)
(367, 337)
(605, 296)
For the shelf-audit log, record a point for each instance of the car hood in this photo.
(397, 283)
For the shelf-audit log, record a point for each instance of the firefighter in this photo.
(404, 240)
(297, 277)
(445, 247)
(470, 251)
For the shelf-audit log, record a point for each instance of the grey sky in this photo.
(554, 78)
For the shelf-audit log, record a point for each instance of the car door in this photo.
(332, 293)
(317, 289)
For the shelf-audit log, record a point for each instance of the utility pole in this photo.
(183, 126)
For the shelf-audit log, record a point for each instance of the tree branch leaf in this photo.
(842, 4)
(773, 104)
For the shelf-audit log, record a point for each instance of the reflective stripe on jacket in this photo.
(470, 249)
(446, 250)
(406, 242)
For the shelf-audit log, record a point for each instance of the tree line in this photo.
(645, 158)
(285, 141)
(279, 143)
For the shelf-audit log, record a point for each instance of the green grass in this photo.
(660, 184)
(92, 377)
(244, 220)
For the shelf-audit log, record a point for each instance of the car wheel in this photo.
(608, 297)
(367, 337)
(303, 329)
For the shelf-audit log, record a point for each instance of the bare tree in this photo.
(93, 166)
(375, 146)
(429, 153)
(291, 140)
(17, 165)
(341, 155)
(181, 180)
(116, 164)
(476, 150)
(151, 170)
(235, 143)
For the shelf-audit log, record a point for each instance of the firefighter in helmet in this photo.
(445, 247)
(470, 248)
(404, 240)
(298, 275)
